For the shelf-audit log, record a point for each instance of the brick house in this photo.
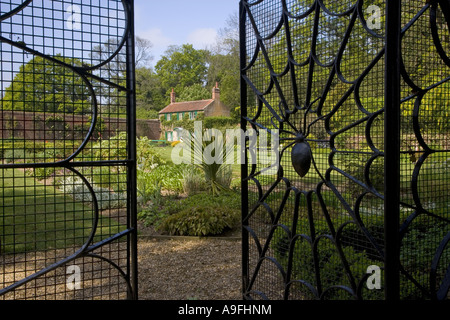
(190, 110)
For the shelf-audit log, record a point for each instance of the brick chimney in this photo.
(172, 96)
(216, 92)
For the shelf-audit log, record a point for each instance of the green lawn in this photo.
(36, 217)
(165, 152)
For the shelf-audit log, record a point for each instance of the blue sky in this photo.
(164, 23)
(176, 22)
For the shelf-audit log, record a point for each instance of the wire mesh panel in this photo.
(66, 129)
(313, 76)
(425, 93)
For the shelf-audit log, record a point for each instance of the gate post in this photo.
(132, 174)
(392, 149)
(244, 168)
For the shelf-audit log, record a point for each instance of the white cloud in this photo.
(202, 38)
(156, 36)
(159, 41)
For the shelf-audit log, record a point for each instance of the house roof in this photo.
(198, 105)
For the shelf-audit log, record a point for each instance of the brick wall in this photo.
(41, 126)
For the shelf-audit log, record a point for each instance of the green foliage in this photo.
(36, 151)
(150, 96)
(164, 177)
(329, 261)
(106, 199)
(219, 123)
(184, 123)
(44, 86)
(41, 173)
(181, 67)
(201, 221)
(100, 126)
(417, 250)
(193, 93)
(434, 109)
(217, 173)
(197, 215)
(157, 208)
(146, 154)
(190, 72)
(223, 63)
(114, 148)
(142, 113)
(58, 125)
(355, 165)
(224, 69)
(152, 216)
(154, 173)
(11, 124)
(15, 154)
(228, 199)
(193, 181)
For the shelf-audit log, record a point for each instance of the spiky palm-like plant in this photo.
(210, 154)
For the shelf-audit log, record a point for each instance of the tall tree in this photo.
(150, 97)
(223, 63)
(45, 86)
(115, 71)
(194, 92)
(143, 52)
(116, 68)
(181, 67)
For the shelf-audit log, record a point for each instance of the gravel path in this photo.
(189, 269)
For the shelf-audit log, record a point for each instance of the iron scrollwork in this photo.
(314, 70)
(91, 54)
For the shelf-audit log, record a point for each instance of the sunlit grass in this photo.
(35, 217)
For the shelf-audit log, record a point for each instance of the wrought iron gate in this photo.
(358, 94)
(67, 171)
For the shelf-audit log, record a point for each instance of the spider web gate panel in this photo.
(318, 75)
(67, 171)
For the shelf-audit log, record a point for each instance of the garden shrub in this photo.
(114, 148)
(158, 208)
(36, 152)
(58, 126)
(168, 177)
(40, 173)
(164, 177)
(153, 173)
(417, 250)
(106, 199)
(31, 147)
(228, 199)
(200, 221)
(211, 214)
(332, 271)
(193, 181)
(355, 166)
(146, 154)
(217, 122)
(16, 154)
(218, 174)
